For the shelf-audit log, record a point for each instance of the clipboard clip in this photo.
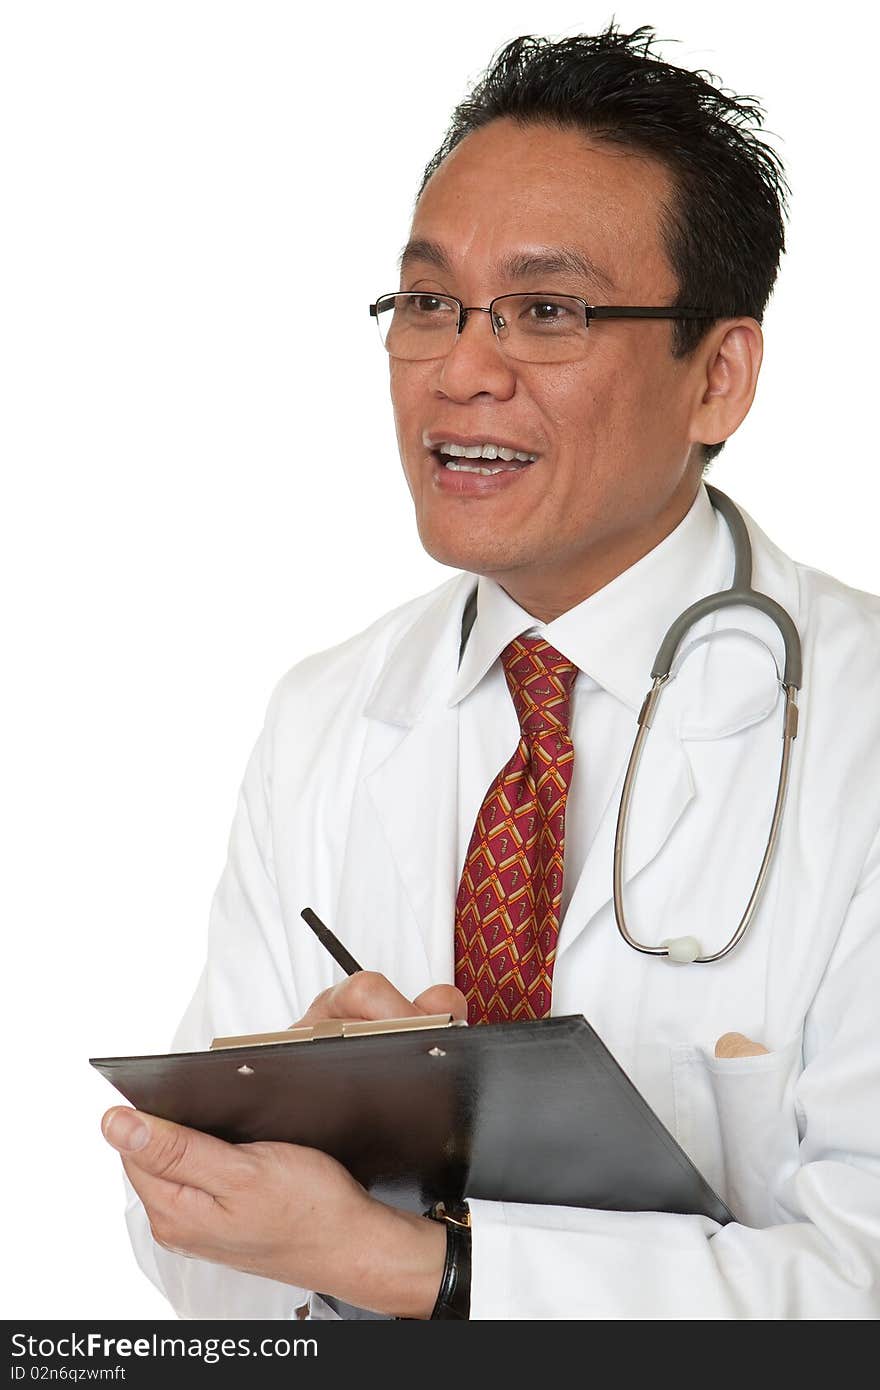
(341, 1028)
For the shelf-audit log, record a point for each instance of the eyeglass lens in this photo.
(529, 327)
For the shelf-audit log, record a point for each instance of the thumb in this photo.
(165, 1150)
(125, 1129)
(442, 999)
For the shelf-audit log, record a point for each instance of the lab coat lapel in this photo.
(664, 787)
(416, 813)
(411, 785)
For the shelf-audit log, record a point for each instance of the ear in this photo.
(730, 358)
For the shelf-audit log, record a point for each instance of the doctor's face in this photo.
(615, 470)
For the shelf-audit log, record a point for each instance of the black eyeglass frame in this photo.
(591, 311)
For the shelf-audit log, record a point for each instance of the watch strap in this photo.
(454, 1294)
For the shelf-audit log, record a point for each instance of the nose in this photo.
(475, 364)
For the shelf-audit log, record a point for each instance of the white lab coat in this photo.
(349, 806)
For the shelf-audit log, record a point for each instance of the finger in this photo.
(738, 1045)
(442, 999)
(164, 1152)
(366, 994)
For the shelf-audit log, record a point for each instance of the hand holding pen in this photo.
(366, 994)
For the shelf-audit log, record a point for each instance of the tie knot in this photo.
(540, 680)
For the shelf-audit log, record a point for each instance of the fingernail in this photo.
(125, 1129)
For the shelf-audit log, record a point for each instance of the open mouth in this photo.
(485, 459)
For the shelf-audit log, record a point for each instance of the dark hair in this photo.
(724, 232)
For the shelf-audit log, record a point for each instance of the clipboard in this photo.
(534, 1112)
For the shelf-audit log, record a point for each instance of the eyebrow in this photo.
(519, 265)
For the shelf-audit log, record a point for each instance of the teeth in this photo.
(486, 451)
(474, 468)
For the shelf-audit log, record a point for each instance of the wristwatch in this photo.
(454, 1295)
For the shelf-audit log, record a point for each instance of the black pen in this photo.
(332, 943)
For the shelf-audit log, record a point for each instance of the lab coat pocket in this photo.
(736, 1118)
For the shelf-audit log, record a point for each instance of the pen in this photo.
(332, 943)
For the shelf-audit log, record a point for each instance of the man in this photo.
(558, 455)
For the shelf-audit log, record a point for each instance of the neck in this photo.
(548, 592)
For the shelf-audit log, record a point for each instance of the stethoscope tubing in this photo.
(740, 593)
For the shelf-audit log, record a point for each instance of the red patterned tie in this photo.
(507, 908)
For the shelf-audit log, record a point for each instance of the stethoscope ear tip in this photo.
(682, 949)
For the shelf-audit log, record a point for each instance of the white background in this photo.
(200, 478)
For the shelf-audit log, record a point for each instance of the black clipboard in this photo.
(534, 1112)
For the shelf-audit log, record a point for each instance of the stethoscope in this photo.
(686, 949)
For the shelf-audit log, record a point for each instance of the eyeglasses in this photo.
(538, 327)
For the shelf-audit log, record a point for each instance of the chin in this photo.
(478, 555)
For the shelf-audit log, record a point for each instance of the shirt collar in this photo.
(612, 636)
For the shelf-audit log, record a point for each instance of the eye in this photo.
(428, 305)
(547, 316)
(547, 311)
